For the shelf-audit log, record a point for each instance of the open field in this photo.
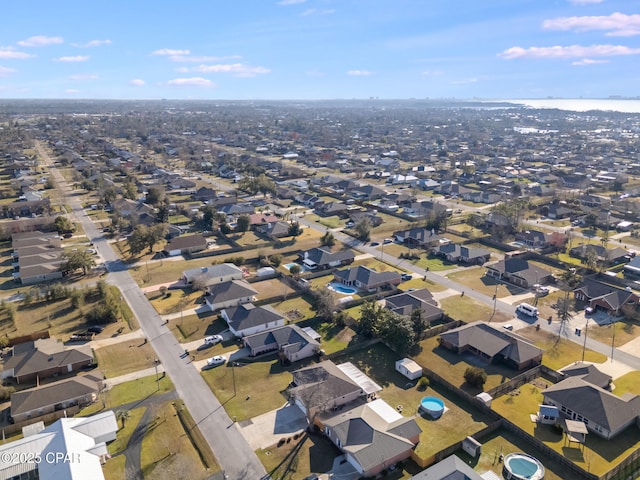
(126, 357)
(167, 451)
(470, 310)
(598, 456)
(252, 388)
(175, 300)
(475, 279)
(559, 353)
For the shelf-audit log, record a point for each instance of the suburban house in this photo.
(603, 413)
(492, 345)
(372, 436)
(610, 256)
(290, 341)
(367, 279)
(558, 211)
(632, 269)
(455, 252)
(130, 208)
(533, 238)
(81, 440)
(332, 208)
(43, 358)
(308, 200)
(34, 402)
(257, 219)
(451, 468)
(419, 237)
(589, 373)
(326, 386)
(274, 230)
(604, 296)
(247, 319)
(229, 294)
(223, 272)
(320, 258)
(37, 257)
(406, 303)
(185, 244)
(519, 272)
(424, 209)
(357, 216)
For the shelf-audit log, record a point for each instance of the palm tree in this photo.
(123, 415)
(570, 280)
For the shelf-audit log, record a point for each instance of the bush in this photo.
(423, 383)
(475, 377)
(5, 393)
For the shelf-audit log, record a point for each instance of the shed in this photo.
(264, 271)
(472, 447)
(485, 398)
(409, 368)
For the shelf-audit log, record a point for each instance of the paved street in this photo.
(232, 451)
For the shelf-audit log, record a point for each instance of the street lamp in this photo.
(233, 374)
(156, 362)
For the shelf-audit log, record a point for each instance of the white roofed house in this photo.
(224, 272)
(247, 319)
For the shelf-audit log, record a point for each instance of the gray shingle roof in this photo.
(246, 316)
(222, 292)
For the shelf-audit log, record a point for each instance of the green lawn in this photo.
(475, 279)
(296, 309)
(258, 386)
(625, 331)
(124, 434)
(452, 366)
(599, 455)
(125, 357)
(174, 300)
(628, 383)
(469, 310)
(559, 353)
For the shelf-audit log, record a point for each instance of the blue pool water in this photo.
(432, 405)
(522, 466)
(343, 289)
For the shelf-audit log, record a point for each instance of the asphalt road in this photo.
(232, 451)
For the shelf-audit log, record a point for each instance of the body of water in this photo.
(583, 104)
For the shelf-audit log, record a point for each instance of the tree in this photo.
(295, 270)
(475, 377)
(396, 330)
(63, 225)
(368, 321)
(155, 196)
(162, 214)
(243, 223)
(363, 230)
(80, 259)
(325, 303)
(569, 281)
(328, 239)
(129, 190)
(144, 236)
(294, 229)
(123, 416)
(419, 322)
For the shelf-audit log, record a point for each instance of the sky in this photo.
(319, 49)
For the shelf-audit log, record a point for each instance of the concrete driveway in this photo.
(266, 430)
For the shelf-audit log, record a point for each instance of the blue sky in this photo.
(319, 49)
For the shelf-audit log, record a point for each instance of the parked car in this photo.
(507, 326)
(95, 329)
(213, 340)
(375, 244)
(406, 276)
(215, 361)
(387, 241)
(589, 310)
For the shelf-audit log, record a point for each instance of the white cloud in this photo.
(290, 2)
(571, 51)
(76, 59)
(236, 69)
(191, 82)
(584, 2)
(359, 73)
(11, 53)
(465, 81)
(71, 91)
(92, 43)
(432, 73)
(616, 25)
(6, 71)
(84, 77)
(588, 61)
(40, 41)
(169, 51)
(200, 59)
(317, 11)
(137, 82)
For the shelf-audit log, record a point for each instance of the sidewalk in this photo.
(147, 372)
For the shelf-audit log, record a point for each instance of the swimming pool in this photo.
(521, 466)
(433, 406)
(340, 288)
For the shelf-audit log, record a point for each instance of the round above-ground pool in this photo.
(521, 466)
(341, 288)
(432, 406)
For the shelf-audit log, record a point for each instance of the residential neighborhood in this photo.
(319, 292)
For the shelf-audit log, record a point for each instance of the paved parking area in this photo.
(265, 430)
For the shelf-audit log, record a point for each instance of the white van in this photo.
(527, 309)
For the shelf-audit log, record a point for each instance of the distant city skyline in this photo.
(320, 49)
